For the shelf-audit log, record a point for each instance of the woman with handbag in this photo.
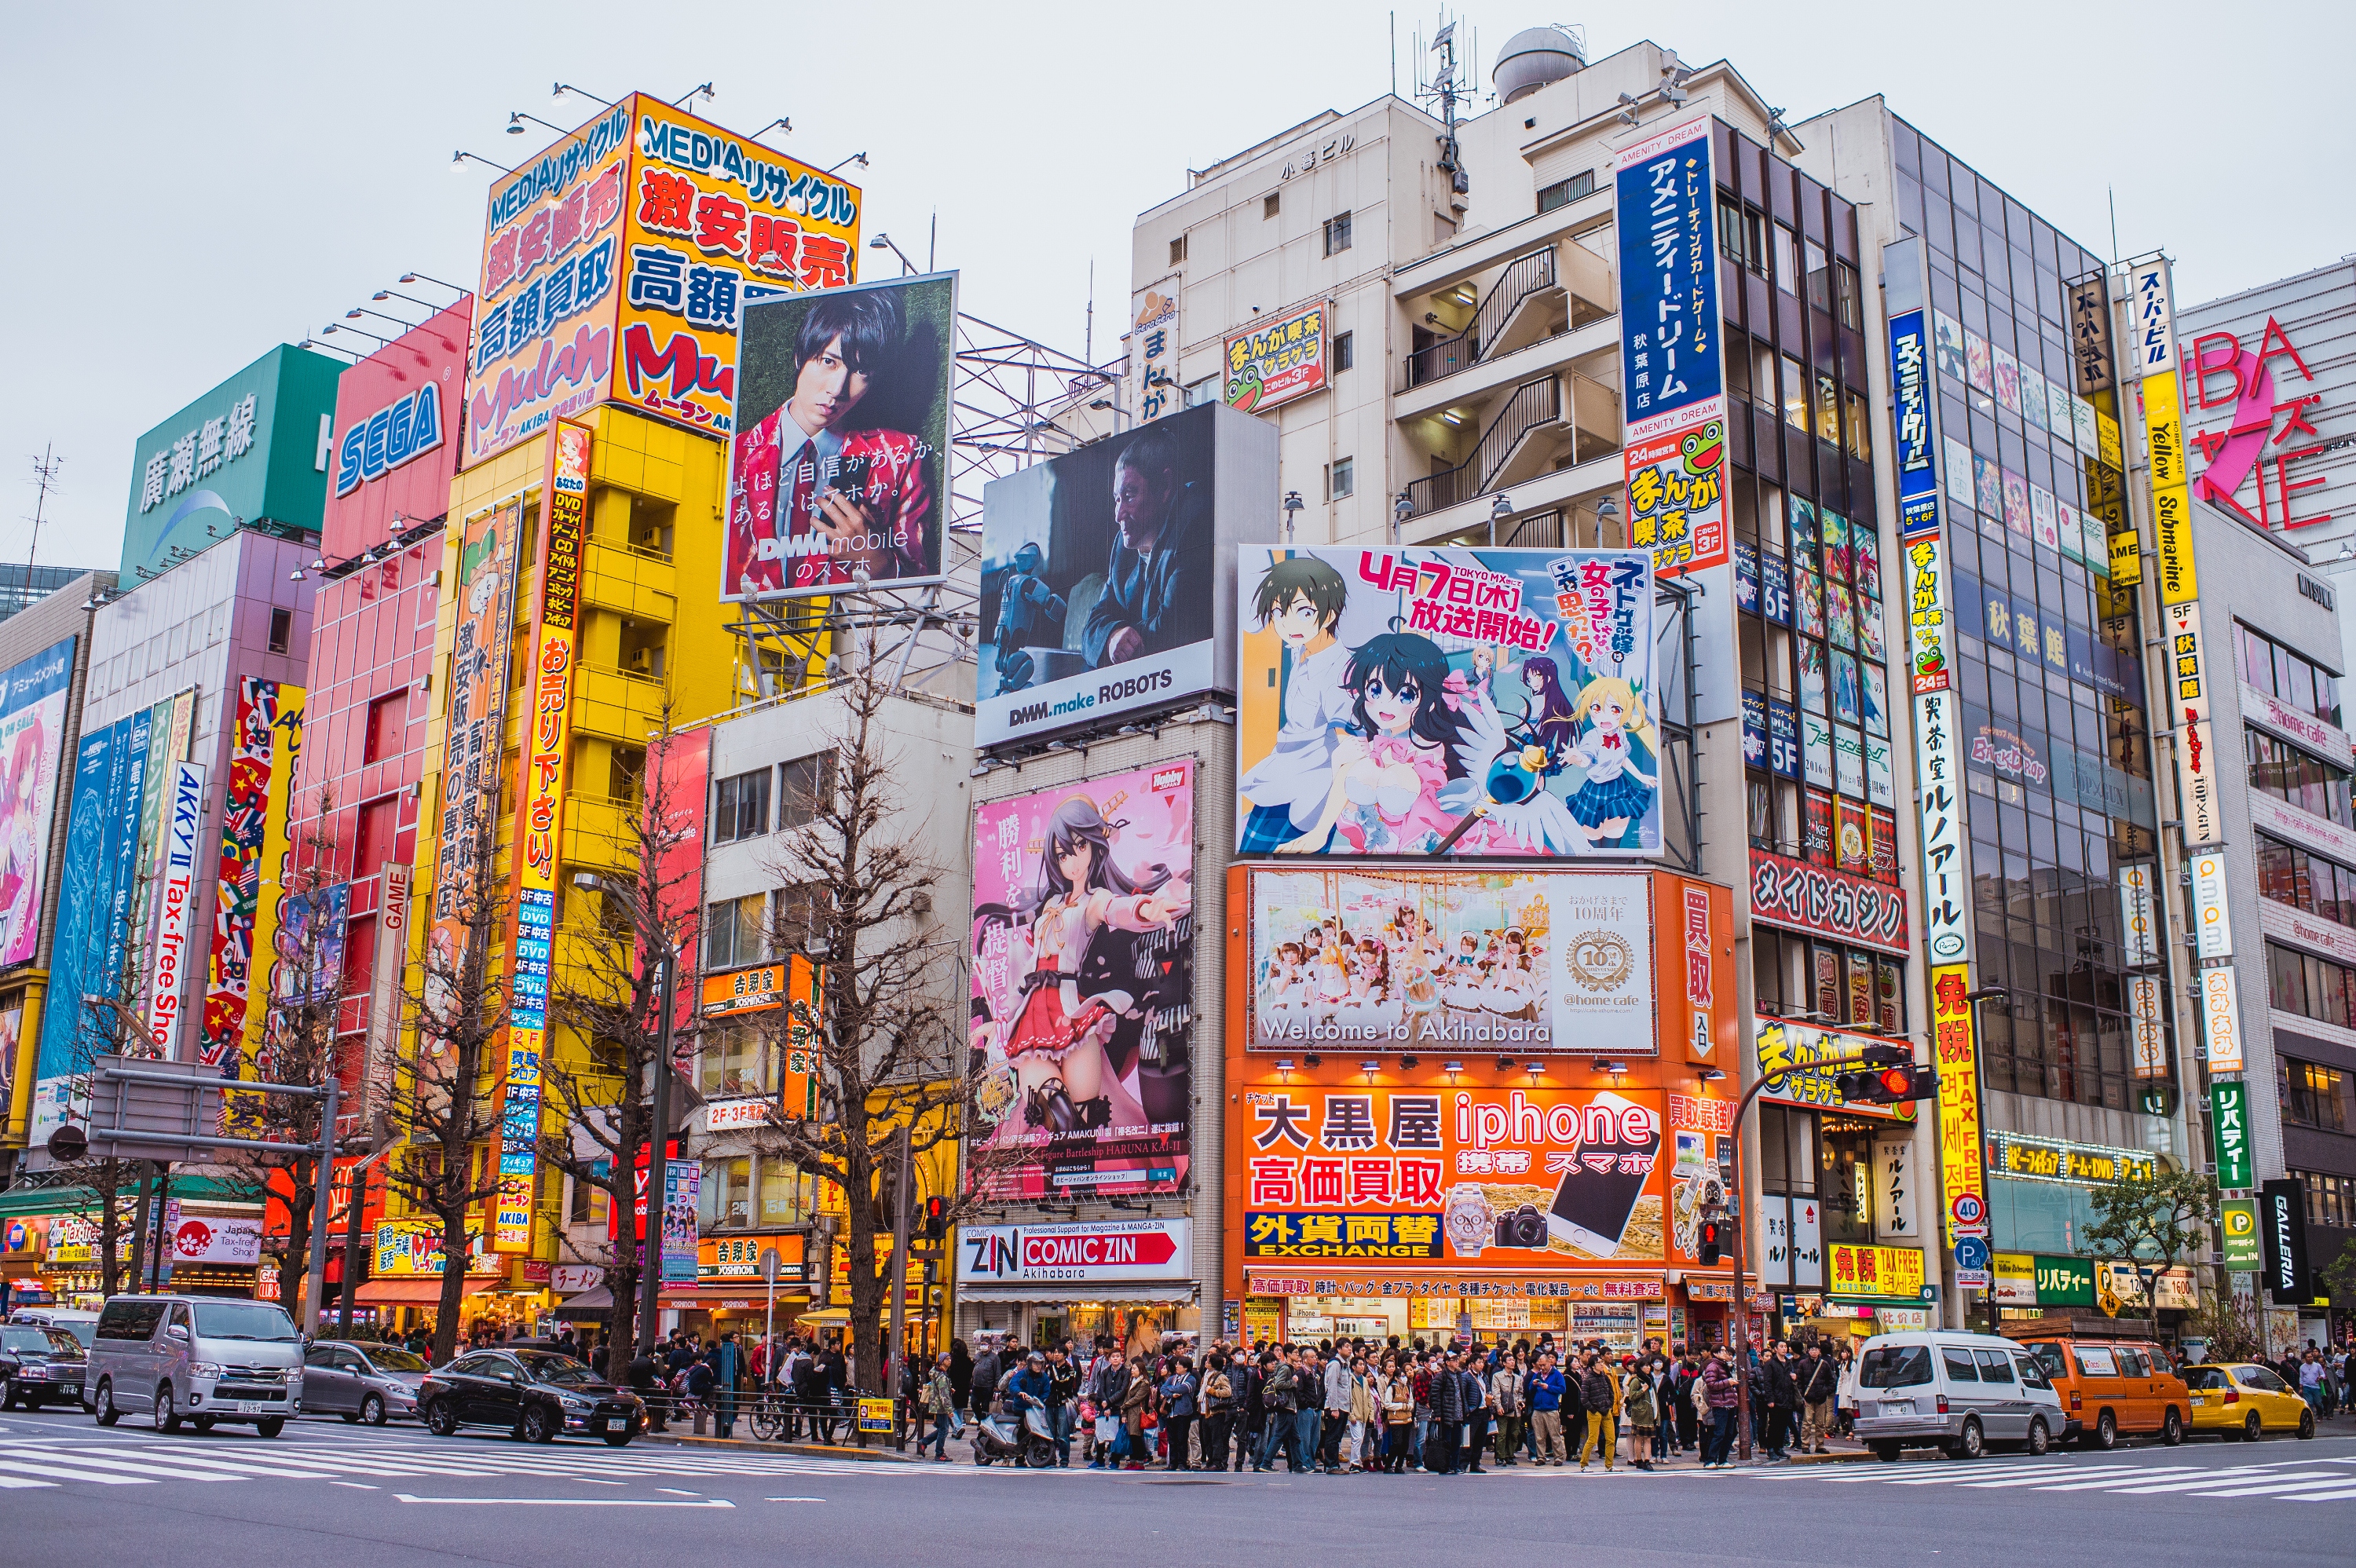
(1399, 1418)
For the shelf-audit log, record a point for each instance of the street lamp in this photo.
(1501, 512)
(884, 242)
(1401, 510)
(1291, 504)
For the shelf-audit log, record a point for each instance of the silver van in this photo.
(1961, 1393)
(203, 1359)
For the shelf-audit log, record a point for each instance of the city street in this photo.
(401, 1496)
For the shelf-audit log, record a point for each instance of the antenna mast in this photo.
(1448, 84)
(45, 477)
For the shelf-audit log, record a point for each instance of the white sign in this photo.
(572, 1279)
(1807, 1245)
(1893, 1189)
(2139, 929)
(2149, 1045)
(2303, 828)
(2273, 713)
(1775, 1223)
(204, 1238)
(2196, 785)
(721, 1115)
(1153, 349)
(2314, 933)
(2150, 318)
(176, 901)
(222, 440)
(1103, 1251)
(385, 976)
(2212, 924)
(2220, 1020)
(1939, 779)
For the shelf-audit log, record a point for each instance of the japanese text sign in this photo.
(1268, 366)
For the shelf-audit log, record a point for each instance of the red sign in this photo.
(1785, 892)
(2271, 426)
(395, 445)
(1097, 1249)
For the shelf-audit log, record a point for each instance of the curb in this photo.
(751, 1445)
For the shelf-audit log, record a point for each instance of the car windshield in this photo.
(561, 1370)
(25, 1339)
(1895, 1366)
(244, 1320)
(392, 1359)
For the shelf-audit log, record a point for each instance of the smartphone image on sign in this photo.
(1617, 1142)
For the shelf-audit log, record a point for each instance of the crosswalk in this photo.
(32, 1459)
(2288, 1480)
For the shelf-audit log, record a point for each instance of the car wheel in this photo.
(617, 1440)
(2252, 1429)
(167, 1413)
(442, 1420)
(2040, 1438)
(372, 1410)
(2172, 1431)
(537, 1426)
(1972, 1444)
(1886, 1452)
(105, 1411)
(2106, 1431)
(2306, 1424)
(11, 1400)
(272, 1427)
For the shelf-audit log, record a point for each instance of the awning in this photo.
(587, 1306)
(827, 1317)
(426, 1292)
(1059, 1295)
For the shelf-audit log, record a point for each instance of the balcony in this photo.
(1526, 438)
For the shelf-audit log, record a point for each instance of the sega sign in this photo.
(389, 438)
(1102, 1252)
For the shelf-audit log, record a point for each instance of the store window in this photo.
(2311, 987)
(1787, 1150)
(2297, 777)
(2312, 1095)
(2289, 875)
(1844, 1161)
(725, 1197)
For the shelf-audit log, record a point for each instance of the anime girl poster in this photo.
(1452, 702)
(1083, 986)
(32, 726)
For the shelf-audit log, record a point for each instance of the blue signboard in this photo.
(1667, 215)
(1918, 469)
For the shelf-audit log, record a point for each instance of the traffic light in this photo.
(937, 1218)
(1713, 1242)
(1889, 1081)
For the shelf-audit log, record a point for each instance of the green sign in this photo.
(2237, 1222)
(2228, 1123)
(2065, 1282)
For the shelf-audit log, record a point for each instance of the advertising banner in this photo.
(1875, 1271)
(32, 741)
(175, 897)
(1101, 1252)
(2212, 923)
(2237, 1226)
(1521, 961)
(1104, 573)
(1954, 1048)
(1927, 597)
(2025, 1158)
(1791, 1048)
(2229, 1126)
(406, 1249)
(2282, 1236)
(2064, 1281)
(209, 1238)
(397, 414)
(1671, 373)
(254, 742)
(387, 962)
(1786, 891)
(2221, 1020)
(2138, 921)
(1153, 349)
(267, 883)
(2148, 1047)
(1495, 702)
(1946, 873)
(1269, 366)
(839, 462)
(1083, 965)
(682, 1191)
(1918, 471)
(682, 765)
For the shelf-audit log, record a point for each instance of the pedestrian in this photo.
(2310, 1380)
(1818, 1381)
(1134, 1398)
(1783, 1400)
(727, 1363)
(940, 1402)
(1476, 1411)
(837, 1378)
(1599, 1396)
(1845, 1390)
(1447, 1418)
(1178, 1403)
(1511, 1403)
(1336, 1391)
(1640, 1395)
(1398, 1416)
(1546, 1387)
(1365, 1440)
(1717, 1392)
(1216, 1402)
(1063, 1399)
(1243, 1373)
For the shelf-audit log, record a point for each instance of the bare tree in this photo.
(609, 995)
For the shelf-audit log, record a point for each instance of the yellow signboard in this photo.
(1955, 1047)
(2171, 494)
(1874, 1270)
(2126, 560)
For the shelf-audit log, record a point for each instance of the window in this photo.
(1337, 234)
(2330, 1199)
(732, 930)
(1860, 441)
(1268, 207)
(726, 1196)
(1754, 242)
(1848, 296)
(282, 631)
(1895, 1366)
(1346, 351)
(1827, 409)
(2312, 1094)
(1960, 1367)
(2311, 987)
(1820, 278)
(2289, 875)
(380, 821)
(2290, 774)
(1996, 1366)
(2032, 1374)
(1787, 261)
(1796, 395)
(1562, 193)
(1205, 390)
(806, 790)
(1178, 251)
(801, 909)
(387, 722)
(734, 1060)
(2287, 676)
(741, 807)
(1341, 478)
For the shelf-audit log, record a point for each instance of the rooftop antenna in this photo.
(45, 479)
(1448, 84)
(1088, 334)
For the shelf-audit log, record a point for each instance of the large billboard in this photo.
(1473, 702)
(1082, 964)
(261, 747)
(1106, 573)
(396, 414)
(1515, 962)
(616, 263)
(840, 462)
(32, 740)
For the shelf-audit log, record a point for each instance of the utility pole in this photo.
(352, 1241)
(658, 1172)
(903, 1162)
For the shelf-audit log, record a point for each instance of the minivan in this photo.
(2111, 1386)
(1961, 1393)
(204, 1359)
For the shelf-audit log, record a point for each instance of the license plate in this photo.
(617, 1424)
(1897, 1407)
(248, 1407)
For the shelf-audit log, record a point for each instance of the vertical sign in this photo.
(1894, 1197)
(540, 825)
(385, 976)
(176, 896)
(1946, 876)
(1153, 344)
(1918, 472)
(683, 1188)
(2237, 1225)
(2229, 1126)
(2212, 926)
(245, 810)
(2139, 934)
(2220, 1020)
(2282, 1230)
(1671, 374)
(1955, 1043)
(2163, 409)
(2149, 1045)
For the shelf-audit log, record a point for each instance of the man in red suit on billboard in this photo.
(815, 497)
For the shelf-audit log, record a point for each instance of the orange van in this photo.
(2114, 1382)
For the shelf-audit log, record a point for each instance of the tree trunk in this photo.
(454, 1281)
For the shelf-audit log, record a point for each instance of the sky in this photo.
(196, 184)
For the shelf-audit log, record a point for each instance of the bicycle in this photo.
(772, 1416)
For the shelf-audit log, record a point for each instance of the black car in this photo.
(41, 1365)
(534, 1394)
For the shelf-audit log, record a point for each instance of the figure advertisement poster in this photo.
(1446, 702)
(1083, 985)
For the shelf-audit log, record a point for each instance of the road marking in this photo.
(104, 1478)
(677, 1493)
(2320, 1497)
(9, 1483)
(797, 1500)
(2236, 1479)
(357, 1486)
(570, 1502)
(204, 1467)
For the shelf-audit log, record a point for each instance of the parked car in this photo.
(1961, 1393)
(2114, 1387)
(82, 1325)
(534, 1394)
(47, 1364)
(362, 1382)
(2237, 1399)
(208, 1358)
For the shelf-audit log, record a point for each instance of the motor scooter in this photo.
(1030, 1445)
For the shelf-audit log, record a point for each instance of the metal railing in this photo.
(1523, 277)
(1535, 403)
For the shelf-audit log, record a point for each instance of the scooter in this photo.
(1033, 1445)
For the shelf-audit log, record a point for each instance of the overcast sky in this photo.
(193, 184)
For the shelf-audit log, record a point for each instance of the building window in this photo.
(1205, 390)
(388, 720)
(1820, 278)
(2289, 775)
(1793, 975)
(1562, 193)
(1787, 261)
(1337, 234)
(2311, 987)
(380, 821)
(1848, 296)
(801, 908)
(2288, 678)
(1796, 395)
(1346, 351)
(2330, 1199)
(1341, 478)
(2291, 876)
(732, 930)
(736, 1059)
(1861, 442)
(1178, 251)
(1268, 206)
(740, 807)
(2312, 1094)
(725, 1197)
(282, 631)
(805, 790)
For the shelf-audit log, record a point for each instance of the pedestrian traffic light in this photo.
(937, 1218)
(1889, 1083)
(1713, 1242)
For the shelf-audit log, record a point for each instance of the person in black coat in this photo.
(1447, 1418)
(644, 1379)
(1780, 1396)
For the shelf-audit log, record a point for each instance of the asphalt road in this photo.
(70, 1489)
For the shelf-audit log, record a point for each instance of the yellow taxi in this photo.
(2237, 1399)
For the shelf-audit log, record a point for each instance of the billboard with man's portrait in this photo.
(839, 462)
(1107, 575)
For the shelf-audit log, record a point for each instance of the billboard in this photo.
(175, 897)
(1082, 964)
(260, 758)
(1482, 702)
(1107, 1252)
(616, 263)
(32, 741)
(264, 882)
(1521, 962)
(1268, 366)
(475, 730)
(1671, 373)
(396, 445)
(840, 462)
(1105, 586)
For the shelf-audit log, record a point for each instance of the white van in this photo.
(71, 1320)
(1961, 1393)
(201, 1358)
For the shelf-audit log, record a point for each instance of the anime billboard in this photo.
(1446, 701)
(32, 741)
(1084, 986)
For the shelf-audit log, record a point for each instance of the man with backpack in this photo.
(1819, 1381)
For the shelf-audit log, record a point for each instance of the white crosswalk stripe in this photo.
(2291, 1480)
